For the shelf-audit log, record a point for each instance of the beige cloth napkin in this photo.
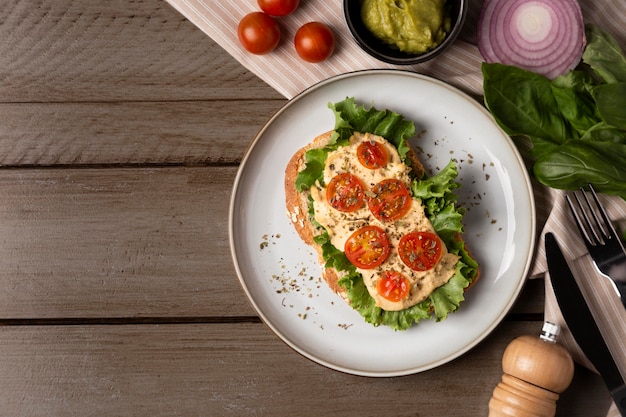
(459, 66)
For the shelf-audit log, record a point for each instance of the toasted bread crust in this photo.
(298, 208)
(416, 165)
(297, 202)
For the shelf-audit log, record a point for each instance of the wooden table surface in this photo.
(121, 127)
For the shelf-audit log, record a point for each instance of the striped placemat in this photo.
(289, 75)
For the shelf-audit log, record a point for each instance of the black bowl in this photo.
(387, 53)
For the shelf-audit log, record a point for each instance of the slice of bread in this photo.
(298, 204)
(298, 208)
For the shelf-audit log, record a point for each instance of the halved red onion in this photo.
(543, 36)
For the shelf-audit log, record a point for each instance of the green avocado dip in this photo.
(413, 26)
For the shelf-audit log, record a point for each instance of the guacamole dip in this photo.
(413, 26)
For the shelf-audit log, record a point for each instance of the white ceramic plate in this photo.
(281, 276)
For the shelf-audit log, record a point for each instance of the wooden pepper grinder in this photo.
(536, 371)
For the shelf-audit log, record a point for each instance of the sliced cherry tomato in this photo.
(346, 193)
(368, 247)
(314, 42)
(420, 251)
(372, 154)
(393, 286)
(258, 33)
(278, 7)
(389, 200)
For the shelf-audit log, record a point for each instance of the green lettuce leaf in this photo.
(448, 297)
(350, 118)
(435, 192)
(438, 197)
(315, 159)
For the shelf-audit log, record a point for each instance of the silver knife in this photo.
(581, 323)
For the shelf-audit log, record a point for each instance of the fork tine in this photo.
(582, 220)
(610, 230)
(598, 229)
(589, 212)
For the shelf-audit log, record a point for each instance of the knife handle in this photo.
(536, 371)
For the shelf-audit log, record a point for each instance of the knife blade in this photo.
(581, 323)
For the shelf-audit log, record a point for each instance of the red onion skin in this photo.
(554, 50)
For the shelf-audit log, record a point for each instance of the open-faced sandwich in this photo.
(389, 236)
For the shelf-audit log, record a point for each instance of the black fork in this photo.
(603, 243)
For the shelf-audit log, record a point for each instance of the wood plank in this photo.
(76, 50)
(181, 132)
(226, 370)
(117, 243)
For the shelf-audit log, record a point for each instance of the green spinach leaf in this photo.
(604, 55)
(523, 103)
(603, 132)
(572, 93)
(578, 163)
(611, 102)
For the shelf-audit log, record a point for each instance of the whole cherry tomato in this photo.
(258, 33)
(314, 42)
(278, 7)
